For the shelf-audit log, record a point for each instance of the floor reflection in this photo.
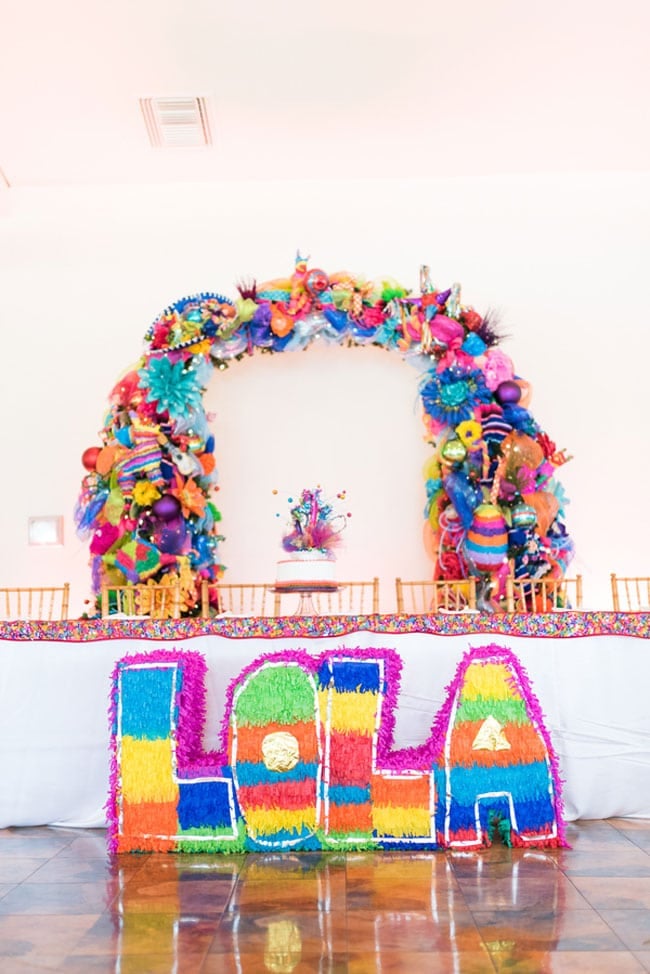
(282, 913)
(67, 906)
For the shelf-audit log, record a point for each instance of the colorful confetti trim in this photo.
(553, 625)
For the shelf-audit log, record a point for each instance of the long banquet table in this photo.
(590, 672)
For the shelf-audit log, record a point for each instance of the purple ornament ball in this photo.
(172, 536)
(508, 393)
(166, 507)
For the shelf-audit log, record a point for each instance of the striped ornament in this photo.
(486, 544)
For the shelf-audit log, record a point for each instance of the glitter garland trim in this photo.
(553, 625)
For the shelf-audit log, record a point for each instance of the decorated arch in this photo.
(493, 504)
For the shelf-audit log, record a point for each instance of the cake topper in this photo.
(313, 525)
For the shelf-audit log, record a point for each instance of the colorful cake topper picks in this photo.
(313, 525)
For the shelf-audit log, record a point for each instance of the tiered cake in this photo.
(312, 534)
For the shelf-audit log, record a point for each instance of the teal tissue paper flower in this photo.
(173, 388)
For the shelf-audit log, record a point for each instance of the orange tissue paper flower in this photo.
(190, 495)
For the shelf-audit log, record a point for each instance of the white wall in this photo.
(562, 258)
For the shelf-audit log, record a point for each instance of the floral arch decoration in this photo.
(493, 505)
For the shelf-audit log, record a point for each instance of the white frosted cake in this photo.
(311, 535)
(314, 572)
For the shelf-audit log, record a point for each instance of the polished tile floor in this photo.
(67, 906)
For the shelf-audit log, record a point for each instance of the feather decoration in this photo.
(248, 290)
(488, 329)
(87, 509)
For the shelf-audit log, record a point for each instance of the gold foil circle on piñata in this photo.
(280, 751)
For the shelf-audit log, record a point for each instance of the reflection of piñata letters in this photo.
(411, 897)
(307, 759)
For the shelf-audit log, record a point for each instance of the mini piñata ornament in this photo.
(524, 516)
(486, 544)
(138, 560)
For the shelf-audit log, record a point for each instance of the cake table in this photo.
(305, 593)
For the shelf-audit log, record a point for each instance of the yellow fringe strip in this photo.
(354, 712)
(267, 821)
(489, 681)
(147, 771)
(390, 820)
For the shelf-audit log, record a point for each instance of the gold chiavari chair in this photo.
(39, 604)
(241, 599)
(630, 594)
(543, 594)
(152, 601)
(358, 598)
(435, 595)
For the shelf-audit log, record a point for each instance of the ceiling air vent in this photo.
(176, 122)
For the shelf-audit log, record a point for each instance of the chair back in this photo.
(543, 594)
(151, 601)
(435, 595)
(357, 598)
(630, 594)
(40, 604)
(242, 599)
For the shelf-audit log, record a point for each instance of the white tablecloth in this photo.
(54, 738)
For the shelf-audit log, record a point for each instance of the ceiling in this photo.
(347, 89)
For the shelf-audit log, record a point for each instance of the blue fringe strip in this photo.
(145, 703)
(250, 774)
(352, 677)
(292, 841)
(531, 816)
(525, 782)
(204, 804)
(401, 845)
(349, 795)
